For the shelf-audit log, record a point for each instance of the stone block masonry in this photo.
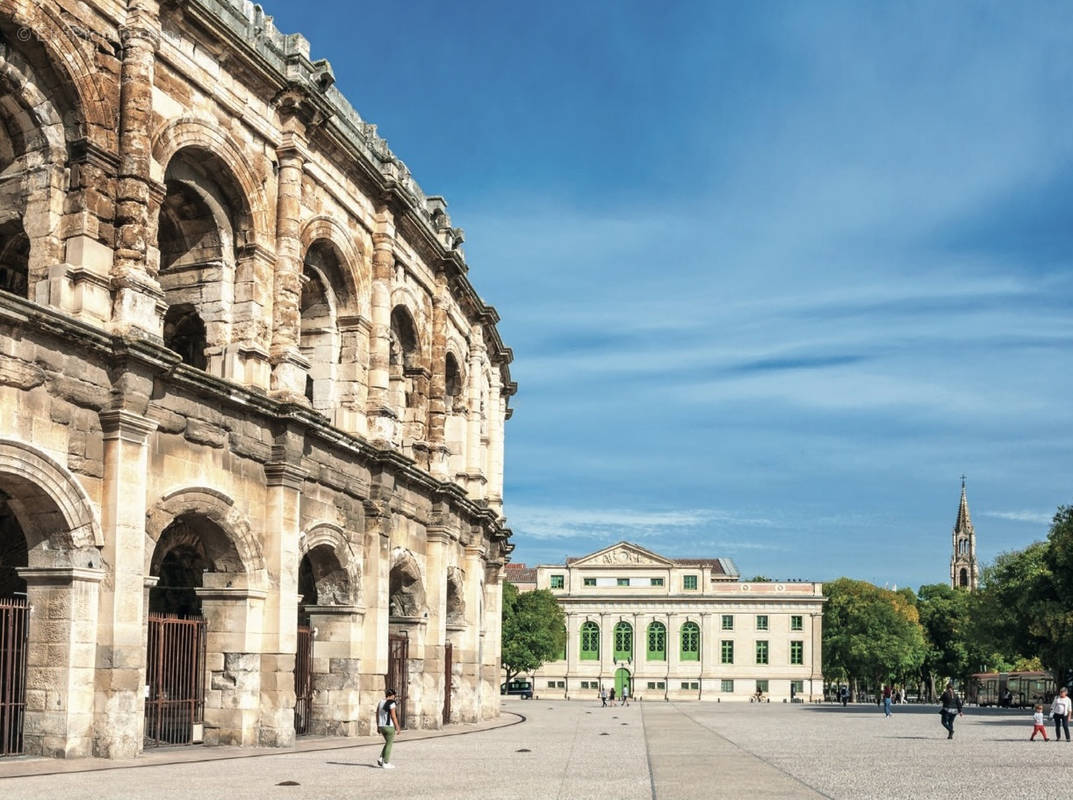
(244, 380)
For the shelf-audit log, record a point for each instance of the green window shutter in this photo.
(761, 652)
(557, 581)
(726, 652)
(689, 582)
(728, 622)
(761, 622)
(796, 623)
(623, 641)
(657, 642)
(690, 642)
(590, 642)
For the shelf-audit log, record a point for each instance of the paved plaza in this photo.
(578, 750)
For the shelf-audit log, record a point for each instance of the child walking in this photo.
(1037, 725)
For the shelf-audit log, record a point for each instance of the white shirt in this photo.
(1060, 706)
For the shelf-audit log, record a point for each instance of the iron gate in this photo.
(175, 680)
(303, 680)
(447, 652)
(397, 653)
(14, 616)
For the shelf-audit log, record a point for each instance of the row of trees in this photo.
(1021, 618)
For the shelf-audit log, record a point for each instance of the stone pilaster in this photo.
(437, 401)
(337, 651)
(138, 302)
(497, 404)
(289, 367)
(61, 660)
(383, 419)
(437, 540)
(281, 555)
(475, 479)
(234, 660)
(120, 675)
(353, 392)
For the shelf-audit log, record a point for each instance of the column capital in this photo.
(118, 423)
(58, 576)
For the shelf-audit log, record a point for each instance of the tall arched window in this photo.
(964, 577)
(623, 641)
(690, 642)
(657, 642)
(590, 642)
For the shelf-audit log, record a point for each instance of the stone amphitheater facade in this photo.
(244, 377)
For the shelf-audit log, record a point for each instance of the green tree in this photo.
(534, 629)
(944, 615)
(870, 633)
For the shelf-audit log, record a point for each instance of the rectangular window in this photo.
(797, 686)
(694, 685)
(726, 686)
(651, 684)
(558, 581)
(689, 582)
(590, 581)
(656, 581)
(761, 686)
(796, 623)
(761, 622)
(728, 622)
(726, 652)
(685, 684)
(797, 652)
(623, 581)
(761, 652)
(551, 684)
(660, 685)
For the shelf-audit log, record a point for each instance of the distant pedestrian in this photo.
(951, 708)
(603, 697)
(887, 695)
(1060, 714)
(1037, 724)
(611, 696)
(625, 695)
(843, 693)
(387, 723)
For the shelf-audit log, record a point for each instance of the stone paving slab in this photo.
(650, 751)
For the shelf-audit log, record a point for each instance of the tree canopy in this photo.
(534, 629)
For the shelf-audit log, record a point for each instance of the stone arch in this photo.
(255, 217)
(53, 509)
(408, 373)
(91, 113)
(406, 588)
(237, 551)
(335, 570)
(354, 274)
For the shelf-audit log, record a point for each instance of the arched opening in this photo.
(456, 603)
(404, 358)
(406, 592)
(200, 224)
(622, 682)
(623, 641)
(322, 290)
(14, 259)
(184, 332)
(189, 549)
(453, 385)
(657, 642)
(14, 618)
(690, 650)
(964, 577)
(590, 641)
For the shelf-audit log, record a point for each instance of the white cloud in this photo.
(551, 522)
(1035, 517)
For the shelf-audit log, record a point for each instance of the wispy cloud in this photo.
(550, 522)
(1035, 517)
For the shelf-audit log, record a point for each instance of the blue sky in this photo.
(775, 274)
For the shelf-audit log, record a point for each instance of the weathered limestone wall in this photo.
(223, 362)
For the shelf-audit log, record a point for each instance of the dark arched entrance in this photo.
(13, 631)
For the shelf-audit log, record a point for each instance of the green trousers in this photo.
(388, 732)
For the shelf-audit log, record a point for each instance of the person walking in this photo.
(387, 724)
(843, 693)
(1060, 709)
(951, 708)
(625, 695)
(611, 696)
(603, 697)
(1037, 724)
(887, 696)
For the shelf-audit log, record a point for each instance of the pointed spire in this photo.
(964, 521)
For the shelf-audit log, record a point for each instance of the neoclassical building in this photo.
(681, 629)
(251, 406)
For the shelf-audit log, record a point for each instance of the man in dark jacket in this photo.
(951, 707)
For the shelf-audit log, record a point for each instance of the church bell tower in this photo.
(964, 571)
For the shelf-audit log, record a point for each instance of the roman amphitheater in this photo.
(251, 406)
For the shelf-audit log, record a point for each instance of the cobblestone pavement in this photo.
(576, 751)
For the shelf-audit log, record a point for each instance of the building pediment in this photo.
(623, 554)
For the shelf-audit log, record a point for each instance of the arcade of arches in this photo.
(251, 454)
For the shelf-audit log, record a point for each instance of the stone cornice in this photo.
(59, 575)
